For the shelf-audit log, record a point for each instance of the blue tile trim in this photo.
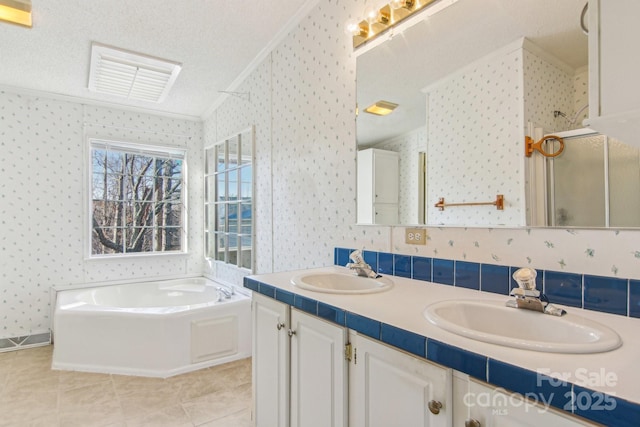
(371, 258)
(285, 296)
(461, 360)
(539, 387)
(467, 275)
(606, 294)
(443, 271)
(402, 265)
(385, 263)
(364, 325)
(604, 408)
(563, 288)
(495, 278)
(305, 304)
(421, 268)
(634, 298)
(609, 294)
(341, 256)
(251, 284)
(405, 340)
(267, 290)
(331, 313)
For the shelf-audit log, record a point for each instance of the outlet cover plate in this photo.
(415, 236)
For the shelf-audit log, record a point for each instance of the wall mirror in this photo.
(470, 82)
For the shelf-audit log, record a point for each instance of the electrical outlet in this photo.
(415, 236)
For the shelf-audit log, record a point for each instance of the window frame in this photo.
(151, 150)
(210, 190)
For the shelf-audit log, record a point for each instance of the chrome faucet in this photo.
(227, 293)
(360, 267)
(528, 297)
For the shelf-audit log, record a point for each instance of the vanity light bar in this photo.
(378, 21)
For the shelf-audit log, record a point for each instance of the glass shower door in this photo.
(595, 182)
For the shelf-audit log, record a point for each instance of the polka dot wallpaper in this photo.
(475, 129)
(42, 216)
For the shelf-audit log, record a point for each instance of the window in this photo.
(229, 200)
(137, 199)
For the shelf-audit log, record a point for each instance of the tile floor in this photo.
(31, 394)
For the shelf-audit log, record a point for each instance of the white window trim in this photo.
(206, 229)
(133, 147)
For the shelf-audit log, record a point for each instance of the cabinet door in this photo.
(385, 214)
(318, 373)
(390, 388)
(270, 362)
(385, 176)
(616, 34)
(494, 407)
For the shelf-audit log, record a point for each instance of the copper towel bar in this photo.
(498, 203)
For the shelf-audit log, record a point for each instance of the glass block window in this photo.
(229, 200)
(137, 199)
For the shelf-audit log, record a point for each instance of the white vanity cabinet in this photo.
(614, 67)
(302, 378)
(299, 368)
(270, 364)
(390, 388)
(378, 186)
(484, 405)
(318, 372)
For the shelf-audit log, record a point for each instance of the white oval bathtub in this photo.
(157, 329)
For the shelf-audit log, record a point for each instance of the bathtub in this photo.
(155, 329)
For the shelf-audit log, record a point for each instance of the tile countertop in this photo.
(614, 372)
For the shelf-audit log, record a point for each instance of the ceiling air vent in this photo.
(131, 75)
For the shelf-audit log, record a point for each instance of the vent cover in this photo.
(131, 75)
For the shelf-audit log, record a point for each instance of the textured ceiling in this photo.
(215, 41)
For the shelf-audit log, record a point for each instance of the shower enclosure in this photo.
(595, 182)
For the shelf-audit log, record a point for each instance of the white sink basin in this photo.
(341, 283)
(492, 322)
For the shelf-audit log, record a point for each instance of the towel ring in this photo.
(530, 146)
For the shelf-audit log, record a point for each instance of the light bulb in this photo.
(371, 14)
(352, 27)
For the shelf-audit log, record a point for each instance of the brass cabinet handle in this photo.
(434, 407)
(471, 422)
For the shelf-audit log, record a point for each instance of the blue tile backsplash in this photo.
(443, 271)
(634, 298)
(495, 278)
(607, 294)
(563, 288)
(421, 268)
(402, 266)
(467, 275)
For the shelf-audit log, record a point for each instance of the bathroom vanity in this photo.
(374, 359)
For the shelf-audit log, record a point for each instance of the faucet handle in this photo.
(526, 278)
(356, 257)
